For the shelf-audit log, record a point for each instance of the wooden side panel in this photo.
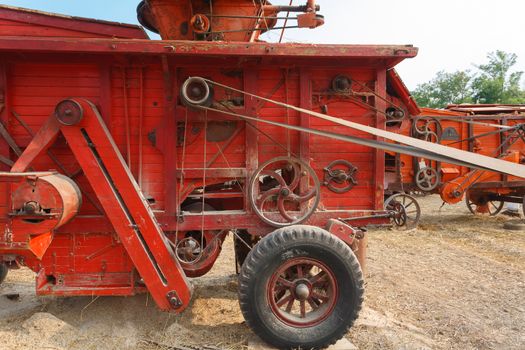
(126, 98)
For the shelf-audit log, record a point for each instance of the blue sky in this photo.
(451, 34)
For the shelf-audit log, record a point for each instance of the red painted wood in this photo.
(19, 21)
(44, 71)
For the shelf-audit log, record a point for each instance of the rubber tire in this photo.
(3, 272)
(268, 255)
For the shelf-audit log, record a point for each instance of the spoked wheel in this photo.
(284, 191)
(427, 129)
(483, 206)
(427, 179)
(405, 209)
(301, 287)
(3, 272)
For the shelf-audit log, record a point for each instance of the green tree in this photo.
(444, 89)
(492, 83)
(495, 82)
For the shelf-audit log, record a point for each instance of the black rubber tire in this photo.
(268, 255)
(3, 272)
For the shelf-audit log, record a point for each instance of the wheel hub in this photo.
(302, 291)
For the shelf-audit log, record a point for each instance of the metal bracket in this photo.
(340, 180)
(174, 300)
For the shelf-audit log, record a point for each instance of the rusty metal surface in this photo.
(391, 54)
(222, 20)
(40, 204)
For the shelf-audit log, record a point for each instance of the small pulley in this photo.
(427, 179)
(394, 115)
(339, 176)
(196, 92)
(342, 84)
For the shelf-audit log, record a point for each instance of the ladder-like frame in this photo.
(122, 200)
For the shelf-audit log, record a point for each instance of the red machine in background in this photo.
(492, 130)
(127, 161)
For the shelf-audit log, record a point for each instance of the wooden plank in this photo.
(380, 120)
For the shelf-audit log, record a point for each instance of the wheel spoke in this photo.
(309, 195)
(300, 273)
(282, 210)
(303, 308)
(285, 300)
(266, 195)
(314, 304)
(290, 305)
(318, 296)
(318, 279)
(285, 282)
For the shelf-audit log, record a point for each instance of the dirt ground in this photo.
(457, 282)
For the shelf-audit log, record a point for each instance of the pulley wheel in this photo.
(427, 179)
(69, 112)
(196, 92)
(284, 191)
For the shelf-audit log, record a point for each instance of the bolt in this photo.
(285, 192)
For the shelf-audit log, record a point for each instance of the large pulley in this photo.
(284, 191)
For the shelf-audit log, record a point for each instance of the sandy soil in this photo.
(455, 283)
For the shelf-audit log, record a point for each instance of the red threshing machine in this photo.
(126, 161)
(493, 130)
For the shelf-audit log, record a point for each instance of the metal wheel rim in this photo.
(433, 182)
(316, 307)
(410, 206)
(472, 207)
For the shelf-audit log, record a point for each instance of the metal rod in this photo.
(282, 8)
(126, 116)
(285, 23)
(251, 30)
(251, 17)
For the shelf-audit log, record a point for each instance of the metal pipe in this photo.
(285, 23)
(301, 8)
